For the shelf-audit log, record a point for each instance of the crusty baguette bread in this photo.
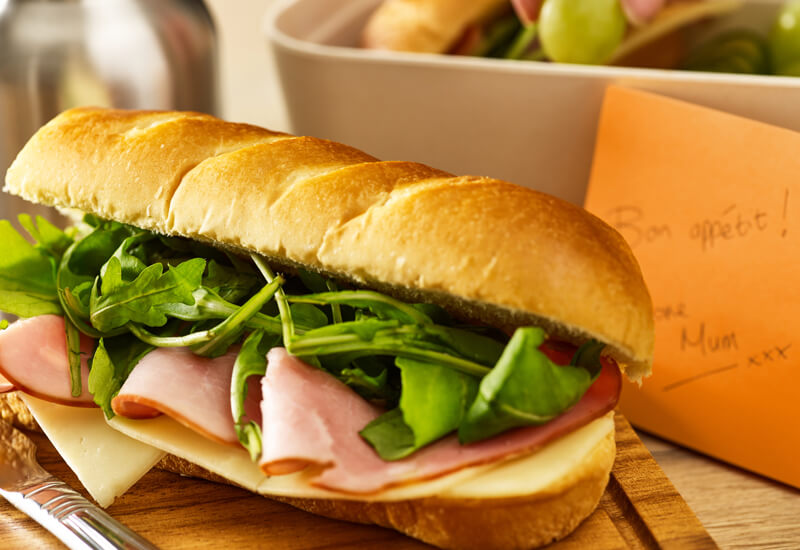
(485, 249)
(502, 523)
(425, 26)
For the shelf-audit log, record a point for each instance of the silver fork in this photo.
(78, 523)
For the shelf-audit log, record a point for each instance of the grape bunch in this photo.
(574, 31)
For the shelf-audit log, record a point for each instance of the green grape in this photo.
(784, 40)
(581, 31)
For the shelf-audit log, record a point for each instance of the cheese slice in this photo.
(110, 456)
(106, 462)
(173, 437)
(518, 476)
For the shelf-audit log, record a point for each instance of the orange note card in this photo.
(710, 204)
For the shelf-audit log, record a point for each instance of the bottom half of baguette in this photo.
(525, 521)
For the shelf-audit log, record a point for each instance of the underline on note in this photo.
(679, 383)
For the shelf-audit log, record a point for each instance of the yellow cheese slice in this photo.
(173, 437)
(514, 477)
(106, 462)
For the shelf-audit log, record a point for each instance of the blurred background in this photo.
(247, 92)
(145, 54)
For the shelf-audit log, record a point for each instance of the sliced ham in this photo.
(309, 417)
(33, 357)
(312, 419)
(194, 390)
(640, 12)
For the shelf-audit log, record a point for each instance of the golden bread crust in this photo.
(425, 26)
(14, 411)
(489, 250)
(502, 523)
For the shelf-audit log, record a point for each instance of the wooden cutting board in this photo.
(640, 509)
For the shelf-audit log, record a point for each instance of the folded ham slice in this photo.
(312, 419)
(194, 390)
(33, 357)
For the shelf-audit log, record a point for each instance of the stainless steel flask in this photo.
(57, 54)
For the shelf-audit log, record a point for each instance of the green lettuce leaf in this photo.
(382, 306)
(112, 363)
(473, 346)
(46, 235)
(230, 330)
(124, 265)
(251, 361)
(80, 266)
(229, 283)
(433, 403)
(74, 357)
(369, 386)
(588, 357)
(27, 275)
(308, 316)
(138, 300)
(524, 388)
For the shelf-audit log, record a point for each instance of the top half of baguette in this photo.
(485, 249)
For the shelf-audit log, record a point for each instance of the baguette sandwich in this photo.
(378, 342)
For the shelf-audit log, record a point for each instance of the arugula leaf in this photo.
(80, 266)
(473, 346)
(375, 337)
(313, 281)
(126, 267)
(436, 313)
(524, 388)
(27, 276)
(433, 403)
(390, 436)
(588, 357)
(285, 312)
(112, 363)
(74, 357)
(308, 316)
(192, 248)
(93, 221)
(384, 307)
(336, 309)
(46, 235)
(230, 284)
(251, 361)
(229, 331)
(366, 385)
(137, 300)
(208, 305)
(364, 330)
(83, 260)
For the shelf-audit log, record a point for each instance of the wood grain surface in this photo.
(640, 509)
(741, 510)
